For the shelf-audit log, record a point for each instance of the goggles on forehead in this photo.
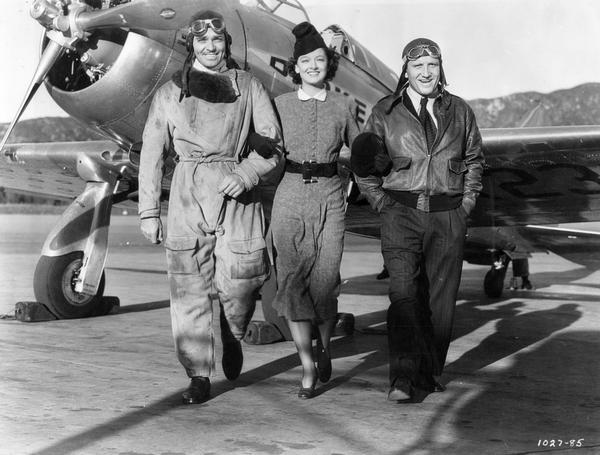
(201, 26)
(423, 49)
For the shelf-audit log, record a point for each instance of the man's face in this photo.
(423, 74)
(210, 48)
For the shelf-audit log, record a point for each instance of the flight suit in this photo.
(212, 240)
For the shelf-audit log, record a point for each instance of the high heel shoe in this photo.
(323, 362)
(306, 393)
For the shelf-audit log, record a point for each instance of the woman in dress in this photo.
(308, 209)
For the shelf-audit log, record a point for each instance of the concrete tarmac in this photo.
(522, 373)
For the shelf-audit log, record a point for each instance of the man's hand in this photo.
(152, 229)
(232, 186)
(468, 204)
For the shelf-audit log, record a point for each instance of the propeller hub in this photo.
(60, 16)
(45, 12)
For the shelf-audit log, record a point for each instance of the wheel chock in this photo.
(33, 312)
(106, 305)
(262, 332)
(344, 325)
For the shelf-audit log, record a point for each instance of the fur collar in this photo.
(214, 88)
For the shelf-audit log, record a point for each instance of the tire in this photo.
(493, 283)
(53, 286)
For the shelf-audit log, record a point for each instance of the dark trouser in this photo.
(423, 253)
(521, 267)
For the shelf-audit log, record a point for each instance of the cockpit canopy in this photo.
(351, 49)
(294, 13)
(290, 10)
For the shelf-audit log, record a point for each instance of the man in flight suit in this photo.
(419, 163)
(215, 234)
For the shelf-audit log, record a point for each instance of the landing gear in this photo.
(54, 286)
(493, 283)
(69, 278)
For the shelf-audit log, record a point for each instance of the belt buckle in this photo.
(307, 168)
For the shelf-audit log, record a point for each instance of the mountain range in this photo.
(579, 105)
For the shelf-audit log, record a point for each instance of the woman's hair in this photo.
(332, 65)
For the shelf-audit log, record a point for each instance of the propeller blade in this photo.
(146, 14)
(52, 52)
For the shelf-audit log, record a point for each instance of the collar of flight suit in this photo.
(221, 70)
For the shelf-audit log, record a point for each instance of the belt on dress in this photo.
(310, 169)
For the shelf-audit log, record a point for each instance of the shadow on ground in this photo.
(491, 410)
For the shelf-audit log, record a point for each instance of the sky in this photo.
(490, 48)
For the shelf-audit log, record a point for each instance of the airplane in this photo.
(102, 61)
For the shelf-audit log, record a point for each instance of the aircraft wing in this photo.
(56, 169)
(533, 176)
(575, 242)
(542, 175)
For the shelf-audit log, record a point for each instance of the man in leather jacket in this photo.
(424, 176)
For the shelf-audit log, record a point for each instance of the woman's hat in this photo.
(308, 39)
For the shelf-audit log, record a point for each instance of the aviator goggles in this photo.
(423, 49)
(200, 26)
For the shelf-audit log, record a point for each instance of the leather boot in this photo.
(198, 391)
(233, 359)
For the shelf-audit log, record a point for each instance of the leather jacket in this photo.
(454, 165)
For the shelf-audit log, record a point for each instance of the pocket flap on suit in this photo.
(401, 162)
(457, 166)
(247, 246)
(181, 243)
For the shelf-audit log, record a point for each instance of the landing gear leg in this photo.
(493, 283)
(69, 278)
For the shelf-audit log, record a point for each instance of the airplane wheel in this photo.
(493, 283)
(54, 286)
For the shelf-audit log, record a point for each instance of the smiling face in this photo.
(312, 68)
(423, 74)
(210, 48)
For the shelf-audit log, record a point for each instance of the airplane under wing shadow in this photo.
(574, 244)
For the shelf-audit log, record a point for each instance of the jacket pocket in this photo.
(456, 174)
(181, 255)
(402, 177)
(401, 162)
(248, 258)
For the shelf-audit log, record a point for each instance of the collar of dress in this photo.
(321, 95)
